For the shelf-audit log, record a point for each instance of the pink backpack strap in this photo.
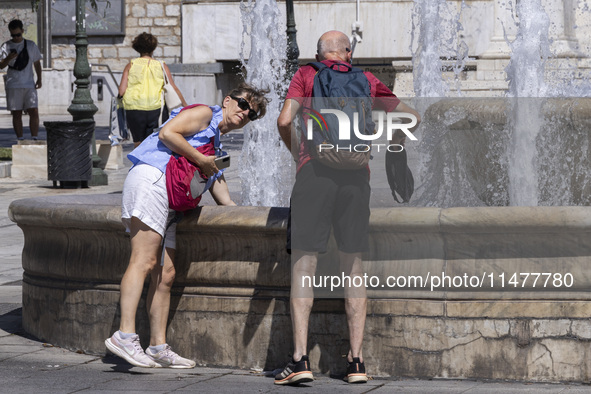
(190, 106)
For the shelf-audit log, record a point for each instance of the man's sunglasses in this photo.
(243, 105)
(16, 35)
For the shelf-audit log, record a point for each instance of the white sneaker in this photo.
(168, 359)
(130, 350)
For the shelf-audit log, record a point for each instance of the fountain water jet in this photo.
(266, 164)
(525, 73)
(510, 151)
(426, 59)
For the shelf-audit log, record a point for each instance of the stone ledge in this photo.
(446, 65)
(111, 156)
(29, 160)
(5, 169)
(196, 68)
(230, 301)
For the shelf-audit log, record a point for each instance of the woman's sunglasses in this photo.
(243, 105)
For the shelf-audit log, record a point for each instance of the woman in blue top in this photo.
(145, 214)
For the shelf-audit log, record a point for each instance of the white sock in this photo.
(125, 335)
(156, 349)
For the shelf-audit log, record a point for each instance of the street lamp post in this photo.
(69, 142)
(293, 52)
(82, 107)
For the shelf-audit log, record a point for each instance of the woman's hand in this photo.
(207, 165)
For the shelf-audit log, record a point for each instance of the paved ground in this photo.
(27, 365)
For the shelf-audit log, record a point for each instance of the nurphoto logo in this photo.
(317, 123)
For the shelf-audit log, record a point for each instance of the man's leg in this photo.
(301, 300)
(311, 216)
(17, 123)
(33, 121)
(355, 303)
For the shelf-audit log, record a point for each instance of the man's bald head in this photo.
(334, 45)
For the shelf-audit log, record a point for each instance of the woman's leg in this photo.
(145, 245)
(158, 309)
(158, 301)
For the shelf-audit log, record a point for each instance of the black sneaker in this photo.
(356, 372)
(295, 372)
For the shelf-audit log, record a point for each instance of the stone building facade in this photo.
(22, 10)
(161, 18)
(204, 40)
(158, 17)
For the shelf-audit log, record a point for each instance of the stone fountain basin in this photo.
(466, 146)
(230, 303)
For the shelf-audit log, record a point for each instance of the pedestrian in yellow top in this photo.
(141, 88)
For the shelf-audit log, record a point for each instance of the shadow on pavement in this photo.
(12, 322)
(121, 366)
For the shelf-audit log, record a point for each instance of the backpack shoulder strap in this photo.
(318, 65)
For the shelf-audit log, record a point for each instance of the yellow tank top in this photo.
(144, 85)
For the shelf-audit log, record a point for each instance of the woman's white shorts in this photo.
(144, 196)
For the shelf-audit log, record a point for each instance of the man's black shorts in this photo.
(324, 197)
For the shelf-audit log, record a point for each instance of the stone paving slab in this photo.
(11, 275)
(10, 295)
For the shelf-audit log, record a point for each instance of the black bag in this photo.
(347, 91)
(21, 60)
(400, 178)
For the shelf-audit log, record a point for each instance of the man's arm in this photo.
(286, 127)
(399, 137)
(38, 70)
(402, 107)
(387, 101)
(4, 62)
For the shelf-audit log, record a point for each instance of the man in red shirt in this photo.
(325, 198)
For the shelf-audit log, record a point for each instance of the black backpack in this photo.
(347, 91)
(21, 60)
